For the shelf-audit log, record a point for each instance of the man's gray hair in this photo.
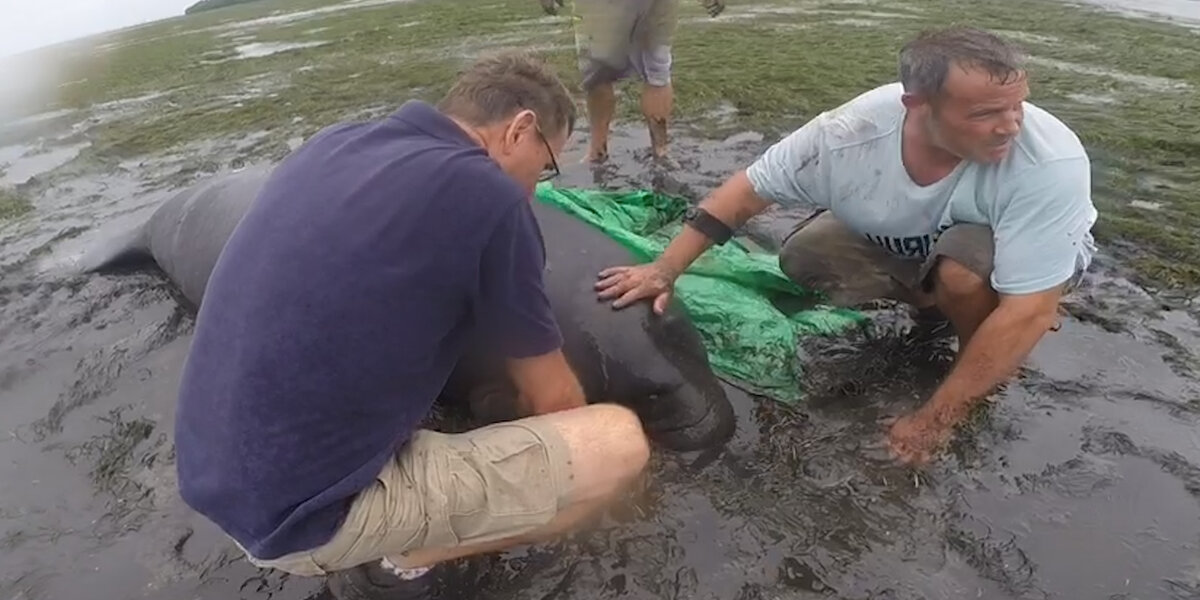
(498, 85)
(926, 60)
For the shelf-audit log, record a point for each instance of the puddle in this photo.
(261, 49)
(129, 101)
(284, 18)
(1182, 12)
(1156, 183)
(1158, 84)
(20, 163)
(542, 21)
(1094, 99)
(235, 35)
(855, 22)
(723, 113)
(38, 118)
(766, 11)
(1025, 36)
(1144, 205)
(38, 129)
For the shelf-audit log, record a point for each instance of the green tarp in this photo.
(727, 293)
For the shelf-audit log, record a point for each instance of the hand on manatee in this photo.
(548, 6)
(630, 284)
(713, 7)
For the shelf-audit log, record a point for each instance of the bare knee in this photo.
(954, 280)
(608, 446)
(622, 437)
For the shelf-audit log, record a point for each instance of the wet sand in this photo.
(1082, 480)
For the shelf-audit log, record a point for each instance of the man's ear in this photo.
(912, 101)
(521, 125)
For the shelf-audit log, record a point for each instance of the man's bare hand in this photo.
(916, 439)
(630, 284)
(549, 6)
(713, 7)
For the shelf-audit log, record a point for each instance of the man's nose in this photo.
(1010, 125)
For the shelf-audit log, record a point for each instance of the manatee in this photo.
(655, 364)
(185, 234)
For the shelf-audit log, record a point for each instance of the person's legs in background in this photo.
(601, 103)
(603, 39)
(652, 59)
(657, 96)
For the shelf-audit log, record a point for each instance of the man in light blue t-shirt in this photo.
(946, 190)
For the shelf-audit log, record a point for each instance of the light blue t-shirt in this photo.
(1037, 200)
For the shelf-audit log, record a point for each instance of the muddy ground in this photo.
(1081, 480)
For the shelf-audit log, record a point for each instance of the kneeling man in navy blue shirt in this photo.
(333, 319)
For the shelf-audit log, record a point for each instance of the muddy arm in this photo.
(1001, 343)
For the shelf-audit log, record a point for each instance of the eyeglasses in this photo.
(551, 170)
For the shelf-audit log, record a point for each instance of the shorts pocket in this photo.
(499, 485)
(342, 551)
(385, 520)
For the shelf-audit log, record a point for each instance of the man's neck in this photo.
(468, 129)
(926, 162)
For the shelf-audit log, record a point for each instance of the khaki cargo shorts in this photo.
(617, 38)
(823, 254)
(449, 490)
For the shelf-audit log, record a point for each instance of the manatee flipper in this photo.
(127, 249)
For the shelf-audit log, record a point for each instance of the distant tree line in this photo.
(204, 5)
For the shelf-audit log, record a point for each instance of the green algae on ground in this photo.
(12, 204)
(1128, 87)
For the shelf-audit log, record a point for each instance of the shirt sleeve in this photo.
(1043, 231)
(788, 173)
(516, 314)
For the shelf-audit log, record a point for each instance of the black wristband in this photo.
(712, 227)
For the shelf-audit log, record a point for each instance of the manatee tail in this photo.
(127, 249)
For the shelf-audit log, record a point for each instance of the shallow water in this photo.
(1081, 481)
(1183, 12)
(285, 17)
(20, 163)
(261, 49)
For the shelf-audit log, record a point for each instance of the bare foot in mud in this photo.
(657, 158)
(662, 160)
(595, 156)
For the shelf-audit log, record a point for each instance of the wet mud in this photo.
(1080, 480)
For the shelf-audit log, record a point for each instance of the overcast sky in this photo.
(29, 24)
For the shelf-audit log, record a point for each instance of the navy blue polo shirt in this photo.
(335, 314)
